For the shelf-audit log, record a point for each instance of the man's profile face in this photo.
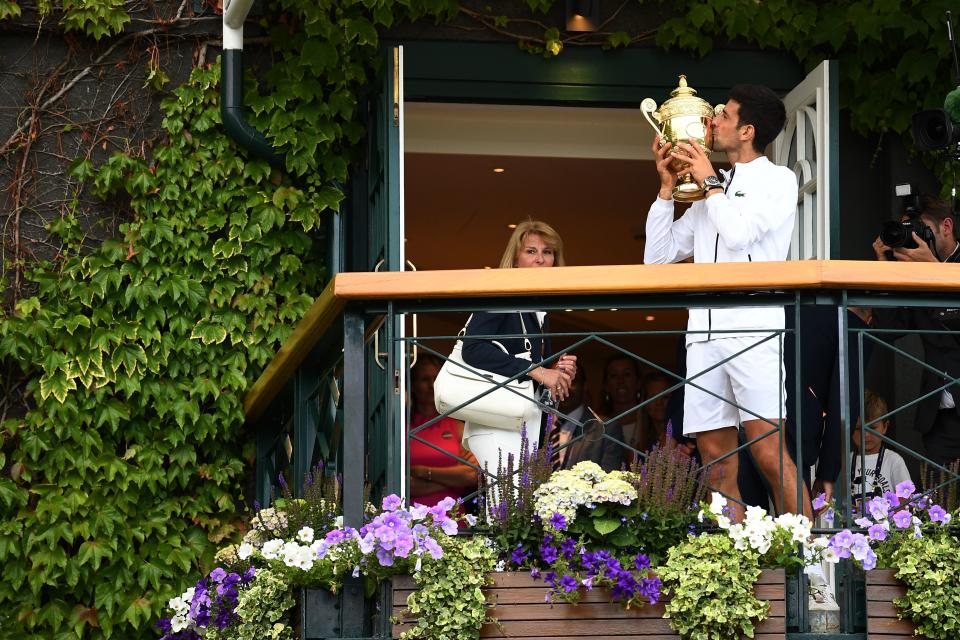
(726, 124)
(942, 234)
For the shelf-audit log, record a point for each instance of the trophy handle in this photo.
(649, 108)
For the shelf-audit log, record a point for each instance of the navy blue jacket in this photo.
(483, 354)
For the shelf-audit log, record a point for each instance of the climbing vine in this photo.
(125, 467)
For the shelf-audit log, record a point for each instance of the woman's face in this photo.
(422, 387)
(534, 253)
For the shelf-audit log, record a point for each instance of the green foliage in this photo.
(9, 9)
(930, 567)
(710, 584)
(96, 18)
(450, 602)
(132, 456)
(893, 56)
(124, 474)
(264, 609)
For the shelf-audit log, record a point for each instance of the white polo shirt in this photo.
(751, 222)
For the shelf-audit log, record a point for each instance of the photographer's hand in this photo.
(921, 253)
(880, 249)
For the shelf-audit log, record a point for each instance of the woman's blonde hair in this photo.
(550, 238)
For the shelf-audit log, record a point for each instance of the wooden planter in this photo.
(882, 621)
(522, 612)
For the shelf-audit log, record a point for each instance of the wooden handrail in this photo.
(618, 279)
(654, 278)
(318, 319)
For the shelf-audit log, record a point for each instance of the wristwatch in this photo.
(711, 182)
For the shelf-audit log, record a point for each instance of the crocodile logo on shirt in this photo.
(739, 194)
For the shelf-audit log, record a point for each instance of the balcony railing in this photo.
(334, 392)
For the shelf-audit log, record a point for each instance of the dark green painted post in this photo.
(354, 443)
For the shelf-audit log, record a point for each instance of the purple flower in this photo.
(385, 557)
(218, 574)
(248, 575)
(902, 519)
(433, 548)
(568, 547)
(519, 555)
(877, 532)
(905, 489)
(650, 589)
(892, 498)
(550, 578)
(392, 502)
(558, 522)
(568, 583)
(535, 573)
(878, 508)
(840, 543)
(548, 553)
(819, 501)
(870, 560)
(641, 562)
(587, 582)
(937, 514)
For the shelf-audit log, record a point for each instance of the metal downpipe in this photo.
(231, 85)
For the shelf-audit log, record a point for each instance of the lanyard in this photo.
(876, 469)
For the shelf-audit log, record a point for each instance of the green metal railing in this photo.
(342, 406)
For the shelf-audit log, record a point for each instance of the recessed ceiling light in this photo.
(614, 309)
(487, 267)
(511, 226)
(568, 310)
(591, 309)
(650, 318)
(498, 169)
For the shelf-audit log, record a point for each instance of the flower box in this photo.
(522, 612)
(882, 620)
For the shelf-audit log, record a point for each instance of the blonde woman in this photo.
(533, 245)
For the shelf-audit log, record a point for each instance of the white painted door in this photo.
(809, 146)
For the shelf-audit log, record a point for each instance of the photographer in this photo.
(937, 416)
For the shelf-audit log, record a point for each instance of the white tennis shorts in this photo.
(753, 379)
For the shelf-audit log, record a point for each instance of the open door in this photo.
(810, 146)
(386, 368)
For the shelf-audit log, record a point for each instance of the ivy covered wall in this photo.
(151, 269)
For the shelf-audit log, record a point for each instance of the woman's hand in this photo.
(556, 380)
(568, 364)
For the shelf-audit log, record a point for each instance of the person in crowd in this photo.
(938, 413)
(580, 436)
(435, 471)
(885, 468)
(621, 397)
(747, 216)
(533, 245)
(653, 416)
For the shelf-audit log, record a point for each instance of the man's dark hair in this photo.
(934, 207)
(762, 108)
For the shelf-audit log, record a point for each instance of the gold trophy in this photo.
(682, 117)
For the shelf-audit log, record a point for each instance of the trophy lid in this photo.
(684, 101)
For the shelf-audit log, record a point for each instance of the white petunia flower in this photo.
(305, 535)
(271, 549)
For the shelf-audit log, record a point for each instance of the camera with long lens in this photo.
(899, 233)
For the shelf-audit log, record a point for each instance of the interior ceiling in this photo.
(457, 209)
